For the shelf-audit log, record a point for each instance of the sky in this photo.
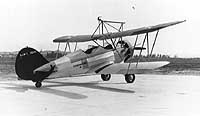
(36, 23)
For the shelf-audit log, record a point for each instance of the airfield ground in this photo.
(150, 95)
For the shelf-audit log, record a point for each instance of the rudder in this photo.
(27, 60)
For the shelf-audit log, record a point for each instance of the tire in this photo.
(38, 84)
(130, 78)
(105, 77)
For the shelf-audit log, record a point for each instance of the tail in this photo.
(27, 60)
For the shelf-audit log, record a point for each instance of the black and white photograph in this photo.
(99, 58)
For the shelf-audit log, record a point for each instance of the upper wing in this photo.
(122, 68)
(84, 38)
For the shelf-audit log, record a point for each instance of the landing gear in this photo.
(105, 77)
(130, 78)
(38, 84)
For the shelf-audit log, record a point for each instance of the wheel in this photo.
(38, 84)
(105, 77)
(130, 78)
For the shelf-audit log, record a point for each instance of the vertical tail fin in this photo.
(27, 60)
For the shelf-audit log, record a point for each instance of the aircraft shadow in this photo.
(91, 85)
(51, 90)
(24, 88)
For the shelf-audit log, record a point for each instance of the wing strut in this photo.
(133, 53)
(65, 48)
(113, 43)
(58, 50)
(141, 49)
(75, 47)
(149, 53)
(147, 44)
(95, 30)
(154, 42)
(135, 44)
(102, 26)
(69, 46)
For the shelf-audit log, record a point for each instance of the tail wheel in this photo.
(130, 78)
(38, 84)
(105, 77)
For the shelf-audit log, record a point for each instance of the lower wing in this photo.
(132, 68)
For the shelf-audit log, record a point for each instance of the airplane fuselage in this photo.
(83, 62)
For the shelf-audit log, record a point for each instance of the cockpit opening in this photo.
(108, 47)
(92, 48)
(89, 50)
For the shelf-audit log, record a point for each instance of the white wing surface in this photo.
(141, 67)
(84, 38)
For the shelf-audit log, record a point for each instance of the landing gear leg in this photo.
(38, 84)
(130, 78)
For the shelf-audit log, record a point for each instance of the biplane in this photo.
(110, 58)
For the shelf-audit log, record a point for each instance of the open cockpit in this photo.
(92, 49)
